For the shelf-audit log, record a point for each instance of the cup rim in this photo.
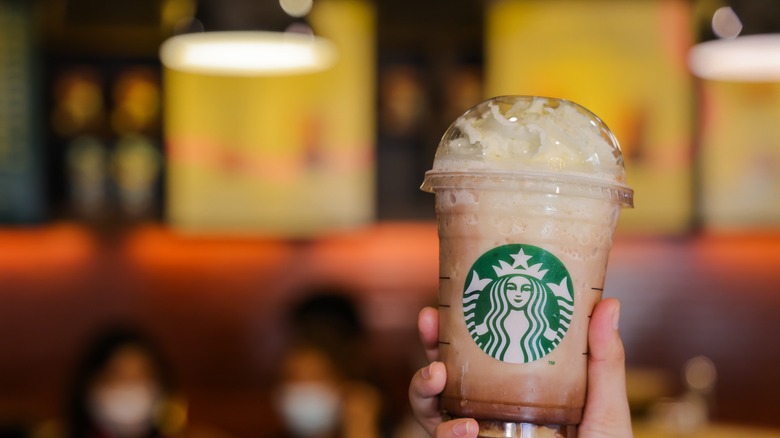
(532, 182)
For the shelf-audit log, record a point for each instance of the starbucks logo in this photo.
(518, 302)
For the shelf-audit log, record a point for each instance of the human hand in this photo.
(606, 407)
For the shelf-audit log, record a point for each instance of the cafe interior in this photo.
(198, 169)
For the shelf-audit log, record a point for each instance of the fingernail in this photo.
(427, 371)
(616, 318)
(461, 428)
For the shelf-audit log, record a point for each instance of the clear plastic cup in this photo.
(528, 193)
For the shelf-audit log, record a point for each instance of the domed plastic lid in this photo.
(530, 138)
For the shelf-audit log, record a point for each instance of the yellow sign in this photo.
(740, 155)
(626, 62)
(287, 155)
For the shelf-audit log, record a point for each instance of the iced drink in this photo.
(528, 194)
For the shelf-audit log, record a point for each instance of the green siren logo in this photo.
(518, 302)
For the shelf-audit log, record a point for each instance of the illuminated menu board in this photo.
(277, 154)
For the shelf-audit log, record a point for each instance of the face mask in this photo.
(309, 409)
(126, 409)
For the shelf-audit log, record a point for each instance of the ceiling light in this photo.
(248, 53)
(748, 58)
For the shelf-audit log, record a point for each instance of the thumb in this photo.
(606, 408)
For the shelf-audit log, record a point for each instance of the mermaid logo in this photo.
(516, 311)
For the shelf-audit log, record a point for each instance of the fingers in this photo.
(428, 326)
(460, 428)
(427, 384)
(606, 408)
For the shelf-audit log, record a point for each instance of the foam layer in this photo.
(531, 134)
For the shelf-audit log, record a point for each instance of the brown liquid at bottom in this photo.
(501, 429)
(513, 413)
(550, 422)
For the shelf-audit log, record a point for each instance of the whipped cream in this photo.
(531, 134)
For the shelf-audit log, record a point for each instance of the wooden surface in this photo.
(715, 296)
(216, 305)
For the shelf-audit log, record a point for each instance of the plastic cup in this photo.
(528, 194)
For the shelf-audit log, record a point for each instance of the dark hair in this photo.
(327, 308)
(97, 356)
(327, 319)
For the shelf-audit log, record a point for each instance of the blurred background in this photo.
(200, 203)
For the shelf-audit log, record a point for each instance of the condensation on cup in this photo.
(528, 193)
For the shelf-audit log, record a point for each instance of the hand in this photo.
(606, 407)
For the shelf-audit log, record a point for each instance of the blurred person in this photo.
(122, 388)
(322, 390)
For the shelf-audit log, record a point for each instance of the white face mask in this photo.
(309, 409)
(125, 409)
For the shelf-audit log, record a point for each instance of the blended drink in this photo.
(528, 194)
